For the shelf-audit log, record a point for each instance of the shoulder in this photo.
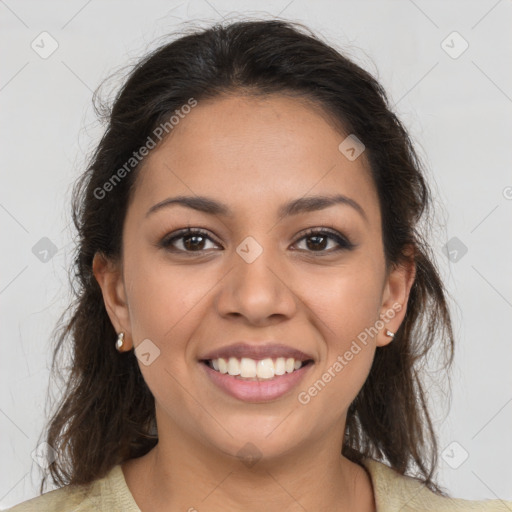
(104, 494)
(394, 491)
(66, 498)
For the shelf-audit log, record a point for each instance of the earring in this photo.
(120, 341)
(391, 334)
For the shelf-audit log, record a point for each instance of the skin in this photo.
(254, 155)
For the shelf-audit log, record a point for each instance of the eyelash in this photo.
(343, 242)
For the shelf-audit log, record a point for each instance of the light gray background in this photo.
(458, 111)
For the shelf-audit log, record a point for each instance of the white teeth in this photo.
(223, 366)
(233, 366)
(279, 366)
(265, 369)
(251, 368)
(247, 367)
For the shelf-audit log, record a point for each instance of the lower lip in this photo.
(253, 390)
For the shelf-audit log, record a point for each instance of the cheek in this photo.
(343, 370)
(346, 301)
(345, 306)
(162, 297)
(165, 308)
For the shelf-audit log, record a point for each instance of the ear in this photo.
(110, 278)
(395, 297)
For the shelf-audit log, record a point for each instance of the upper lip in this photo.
(259, 351)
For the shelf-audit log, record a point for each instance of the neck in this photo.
(182, 474)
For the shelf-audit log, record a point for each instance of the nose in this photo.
(257, 291)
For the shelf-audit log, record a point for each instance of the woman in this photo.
(254, 294)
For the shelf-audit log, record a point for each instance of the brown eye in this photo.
(319, 240)
(193, 242)
(188, 240)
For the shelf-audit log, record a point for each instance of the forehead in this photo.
(254, 151)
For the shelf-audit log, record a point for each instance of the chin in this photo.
(260, 439)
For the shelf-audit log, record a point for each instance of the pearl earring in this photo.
(120, 341)
(391, 334)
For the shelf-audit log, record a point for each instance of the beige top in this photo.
(393, 492)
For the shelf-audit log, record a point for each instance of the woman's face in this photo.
(254, 276)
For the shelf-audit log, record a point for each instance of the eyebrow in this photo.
(295, 207)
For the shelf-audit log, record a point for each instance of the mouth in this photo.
(256, 380)
(248, 369)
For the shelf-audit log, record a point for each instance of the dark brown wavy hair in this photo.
(106, 413)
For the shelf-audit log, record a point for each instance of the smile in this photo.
(253, 380)
(262, 369)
